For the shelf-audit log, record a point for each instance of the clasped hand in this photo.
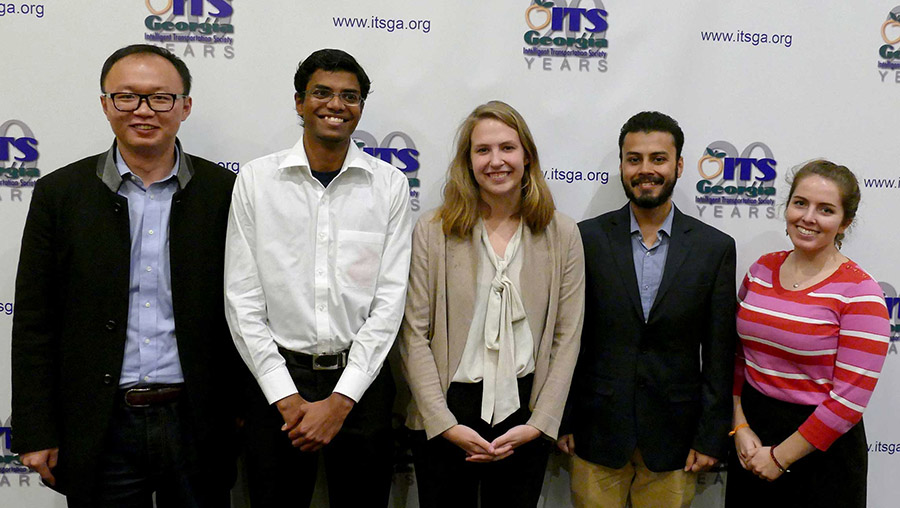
(755, 457)
(479, 450)
(312, 425)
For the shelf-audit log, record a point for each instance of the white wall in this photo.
(819, 92)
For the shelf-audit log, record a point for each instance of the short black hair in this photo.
(653, 121)
(137, 49)
(330, 60)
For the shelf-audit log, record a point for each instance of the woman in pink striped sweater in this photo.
(814, 331)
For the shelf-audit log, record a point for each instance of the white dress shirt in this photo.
(315, 269)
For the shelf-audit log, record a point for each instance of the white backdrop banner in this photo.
(758, 87)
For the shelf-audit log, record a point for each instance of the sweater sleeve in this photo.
(739, 360)
(862, 346)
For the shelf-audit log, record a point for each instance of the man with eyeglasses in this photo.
(316, 266)
(123, 372)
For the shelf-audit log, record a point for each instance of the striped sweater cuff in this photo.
(817, 433)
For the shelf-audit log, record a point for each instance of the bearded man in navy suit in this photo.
(650, 405)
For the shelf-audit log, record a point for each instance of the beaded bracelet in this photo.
(777, 464)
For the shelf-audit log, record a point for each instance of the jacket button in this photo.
(117, 207)
(110, 325)
(107, 379)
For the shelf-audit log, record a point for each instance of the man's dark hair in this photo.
(330, 60)
(653, 121)
(137, 49)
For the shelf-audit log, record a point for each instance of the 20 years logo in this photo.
(178, 23)
(18, 159)
(10, 464)
(558, 32)
(893, 306)
(737, 178)
(405, 159)
(890, 50)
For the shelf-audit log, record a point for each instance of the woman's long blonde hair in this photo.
(460, 211)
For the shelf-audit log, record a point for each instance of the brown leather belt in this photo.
(147, 396)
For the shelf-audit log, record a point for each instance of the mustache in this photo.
(654, 179)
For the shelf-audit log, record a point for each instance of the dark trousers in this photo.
(358, 461)
(445, 479)
(832, 479)
(151, 451)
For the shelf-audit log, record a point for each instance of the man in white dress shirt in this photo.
(317, 260)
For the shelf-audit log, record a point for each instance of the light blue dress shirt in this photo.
(151, 352)
(650, 262)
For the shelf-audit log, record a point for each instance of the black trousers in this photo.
(358, 461)
(832, 479)
(445, 479)
(153, 450)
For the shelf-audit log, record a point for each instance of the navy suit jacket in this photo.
(72, 286)
(663, 386)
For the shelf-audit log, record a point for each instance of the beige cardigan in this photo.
(434, 330)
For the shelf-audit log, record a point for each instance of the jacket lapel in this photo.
(619, 236)
(462, 271)
(537, 251)
(679, 246)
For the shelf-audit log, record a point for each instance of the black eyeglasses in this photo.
(159, 102)
(325, 95)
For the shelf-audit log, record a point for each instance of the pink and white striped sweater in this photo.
(822, 346)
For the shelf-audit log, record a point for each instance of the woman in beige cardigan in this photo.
(493, 320)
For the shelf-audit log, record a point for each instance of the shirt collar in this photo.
(297, 158)
(666, 225)
(123, 168)
(108, 170)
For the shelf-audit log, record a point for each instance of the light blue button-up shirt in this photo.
(649, 262)
(151, 353)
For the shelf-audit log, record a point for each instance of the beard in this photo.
(649, 200)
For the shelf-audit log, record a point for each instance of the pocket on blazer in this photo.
(694, 287)
(683, 392)
(600, 386)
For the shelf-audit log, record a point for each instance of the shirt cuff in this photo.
(437, 424)
(277, 384)
(353, 383)
(548, 425)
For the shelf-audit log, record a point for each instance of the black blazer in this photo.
(68, 337)
(643, 384)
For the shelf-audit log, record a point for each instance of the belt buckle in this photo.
(136, 390)
(339, 359)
